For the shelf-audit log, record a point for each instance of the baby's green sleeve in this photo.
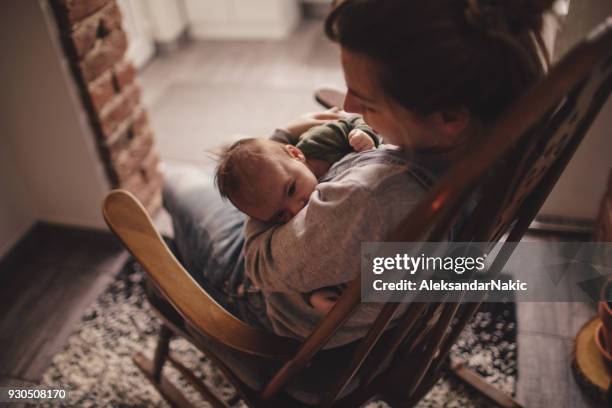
(330, 142)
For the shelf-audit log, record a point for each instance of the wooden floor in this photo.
(212, 92)
(546, 332)
(45, 284)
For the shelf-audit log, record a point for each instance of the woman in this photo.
(428, 76)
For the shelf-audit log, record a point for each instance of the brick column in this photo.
(95, 45)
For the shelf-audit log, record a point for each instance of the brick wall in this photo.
(95, 45)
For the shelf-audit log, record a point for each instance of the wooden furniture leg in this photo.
(197, 384)
(161, 351)
(471, 378)
(167, 390)
(152, 369)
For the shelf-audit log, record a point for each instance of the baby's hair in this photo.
(227, 176)
(230, 171)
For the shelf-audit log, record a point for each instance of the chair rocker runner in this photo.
(513, 169)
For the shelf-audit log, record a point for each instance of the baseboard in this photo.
(316, 9)
(229, 31)
(96, 223)
(563, 224)
(168, 47)
(12, 242)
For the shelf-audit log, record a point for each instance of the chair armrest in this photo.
(129, 221)
(329, 97)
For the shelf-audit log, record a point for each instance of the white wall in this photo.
(148, 22)
(50, 168)
(580, 189)
(242, 18)
(167, 20)
(579, 192)
(17, 213)
(139, 30)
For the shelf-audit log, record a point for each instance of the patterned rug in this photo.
(97, 369)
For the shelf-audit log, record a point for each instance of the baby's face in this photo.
(279, 190)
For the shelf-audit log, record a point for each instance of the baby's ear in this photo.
(295, 153)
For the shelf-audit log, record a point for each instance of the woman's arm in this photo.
(318, 247)
(321, 245)
(332, 141)
(305, 122)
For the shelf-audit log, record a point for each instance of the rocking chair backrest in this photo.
(513, 170)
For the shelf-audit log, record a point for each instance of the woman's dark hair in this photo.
(443, 54)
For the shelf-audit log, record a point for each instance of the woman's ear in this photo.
(295, 153)
(451, 122)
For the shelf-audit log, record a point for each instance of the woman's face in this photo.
(396, 124)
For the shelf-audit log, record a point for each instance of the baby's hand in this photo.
(360, 140)
(323, 300)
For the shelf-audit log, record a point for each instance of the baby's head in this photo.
(264, 179)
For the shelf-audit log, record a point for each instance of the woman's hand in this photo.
(305, 122)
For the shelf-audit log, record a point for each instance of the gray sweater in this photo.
(360, 199)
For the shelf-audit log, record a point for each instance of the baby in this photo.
(272, 181)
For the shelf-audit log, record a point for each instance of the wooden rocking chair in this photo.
(513, 169)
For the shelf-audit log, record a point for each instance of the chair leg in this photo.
(197, 384)
(474, 380)
(152, 369)
(161, 351)
(167, 390)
